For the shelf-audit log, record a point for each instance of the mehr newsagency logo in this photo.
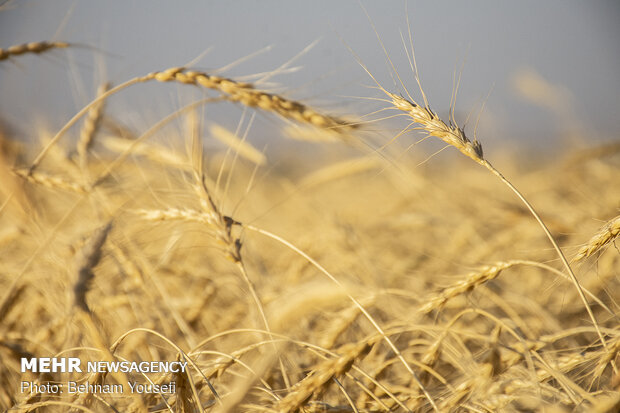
(75, 365)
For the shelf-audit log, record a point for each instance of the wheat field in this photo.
(336, 271)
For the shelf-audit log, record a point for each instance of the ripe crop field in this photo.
(341, 268)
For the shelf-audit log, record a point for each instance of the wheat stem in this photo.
(455, 136)
(355, 301)
(572, 275)
(241, 92)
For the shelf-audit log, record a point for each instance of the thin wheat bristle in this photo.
(607, 234)
(33, 47)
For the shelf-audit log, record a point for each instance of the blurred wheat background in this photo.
(210, 183)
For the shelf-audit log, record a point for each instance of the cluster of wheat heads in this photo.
(351, 286)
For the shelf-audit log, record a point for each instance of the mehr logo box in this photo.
(75, 365)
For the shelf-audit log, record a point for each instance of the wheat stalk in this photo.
(455, 136)
(246, 94)
(366, 314)
(235, 91)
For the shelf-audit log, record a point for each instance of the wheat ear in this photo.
(50, 181)
(455, 136)
(90, 127)
(34, 47)
(322, 376)
(235, 91)
(607, 234)
(87, 258)
(468, 284)
(224, 225)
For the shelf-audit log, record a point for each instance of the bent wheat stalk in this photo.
(455, 136)
(366, 314)
(235, 91)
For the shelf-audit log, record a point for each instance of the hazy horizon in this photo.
(571, 47)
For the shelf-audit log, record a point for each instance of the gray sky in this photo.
(573, 46)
